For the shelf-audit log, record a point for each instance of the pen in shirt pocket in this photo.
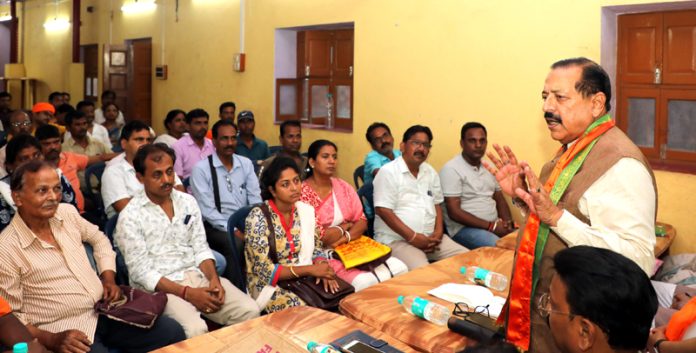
(187, 219)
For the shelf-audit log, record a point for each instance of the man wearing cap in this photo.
(44, 114)
(249, 145)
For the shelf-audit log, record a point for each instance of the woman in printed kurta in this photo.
(339, 213)
(287, 217)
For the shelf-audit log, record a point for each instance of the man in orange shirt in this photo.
(12, 331)
(68, 163)
(44, 113)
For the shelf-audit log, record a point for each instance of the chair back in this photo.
(274, 149)
(237, 220)
(366, 197)
(121, 268)
(359, 174)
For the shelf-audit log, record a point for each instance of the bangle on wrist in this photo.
(343, 232)
(183, 293)
(495, 225)
(658, 343)
(347, 236)
(413, 237)
(292, 270)
(490, 226)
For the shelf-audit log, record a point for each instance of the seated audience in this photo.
(47, 279)
(66, 97)
(237, 186)
(382, 142)
(56, 99)
(476, 210)
(175, 123)
(12, 331)
(61, 111)
(298, 246)
(111, 113)
(119, 182)
(70, 164)
(598, 301)
(43, 114)
(25, 148)
(407, 201)
(193, 147)
(94, 131)
(248, 144)
(339, 213)
(290, 144)
(19, 123)
(108, 97)
(160, 233)
(5, 109)
(226, 112)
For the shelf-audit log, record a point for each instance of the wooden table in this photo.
(377, 306)
(300, 324)
(662, 244)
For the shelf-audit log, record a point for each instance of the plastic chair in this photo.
(358, 175)
(121, 268)
(237, 220)
(274, 149)
(366, 197)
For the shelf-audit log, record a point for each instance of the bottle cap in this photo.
(462, 270)
(311, 345)
(400, 299)
(20, 347)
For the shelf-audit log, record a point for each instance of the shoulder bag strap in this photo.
(272, 254)
(216, 189)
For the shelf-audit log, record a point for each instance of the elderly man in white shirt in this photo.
(407, 198)
(160, 233)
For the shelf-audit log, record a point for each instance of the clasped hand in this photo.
(517, 179)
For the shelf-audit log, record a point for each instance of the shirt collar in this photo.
(141, 199)
(217, 163)
(26, 236)
(403, 168)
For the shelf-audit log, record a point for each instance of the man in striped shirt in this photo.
(48, 281)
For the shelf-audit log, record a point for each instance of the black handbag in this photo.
(306, 288)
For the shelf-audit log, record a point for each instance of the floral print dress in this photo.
(261, 271)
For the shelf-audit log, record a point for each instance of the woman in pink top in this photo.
(340, 213)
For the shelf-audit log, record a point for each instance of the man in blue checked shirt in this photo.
(237, 186)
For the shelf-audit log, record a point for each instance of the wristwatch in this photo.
(658, 343)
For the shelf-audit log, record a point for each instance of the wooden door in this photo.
(317, 53)
(640, 48)
(342, 60)
(116, 64)
(680, 48)
(140, 81)
(90, 58)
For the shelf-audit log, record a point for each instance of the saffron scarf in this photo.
(535, 235)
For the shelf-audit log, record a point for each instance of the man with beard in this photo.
(161, 235)
(223, 183)
(290, 144)
(598, 190)
(477, 213)
(195, 146)
(96, 131)
(407, 202)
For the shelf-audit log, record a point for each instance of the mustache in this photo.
(167, 186)
(553, 118)
(50, 203)
(419, 154)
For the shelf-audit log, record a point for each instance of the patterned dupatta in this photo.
(529, 253)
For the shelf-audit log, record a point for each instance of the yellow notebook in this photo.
(361, 251)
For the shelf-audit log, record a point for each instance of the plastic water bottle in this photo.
(20, 347)
(425, 309)
(490, 279)
(321, 348)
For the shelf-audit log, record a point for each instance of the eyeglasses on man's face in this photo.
(544, 307)
(416, 144)
(25, 123)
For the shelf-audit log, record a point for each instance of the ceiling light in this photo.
(139, 6)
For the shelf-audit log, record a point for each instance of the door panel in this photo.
(679, 108)
(680, 48)
(318, 53)
(141, 80)
(638, 111)
(640, 47)
(343, 54)
(90, 58)
(116, 74)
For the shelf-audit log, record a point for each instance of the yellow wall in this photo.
(439, 63)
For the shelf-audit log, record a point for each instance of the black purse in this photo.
(306, 288)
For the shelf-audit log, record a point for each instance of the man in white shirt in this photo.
(477, 213)
(407, 200)
(598, 191)
(107, 97)
(119, 182)
(160, 233)
(95, 131)
(176, 126)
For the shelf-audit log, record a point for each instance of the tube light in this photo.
(57, 24)
(139, 6)
(5, 17)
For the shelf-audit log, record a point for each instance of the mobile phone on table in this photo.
(356, 346)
